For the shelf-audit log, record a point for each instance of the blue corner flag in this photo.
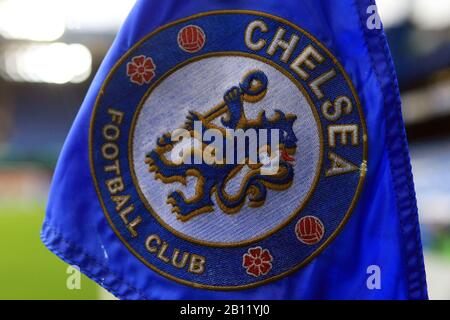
(241, 150)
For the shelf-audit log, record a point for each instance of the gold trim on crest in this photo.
(291, 216)
(326, 242)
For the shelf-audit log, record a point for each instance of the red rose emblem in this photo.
(257, 261)
(141, 69)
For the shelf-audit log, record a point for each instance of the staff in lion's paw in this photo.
(252, 88)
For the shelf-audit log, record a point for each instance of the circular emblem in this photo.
(191, 38)
(227, 149)
(309, 230)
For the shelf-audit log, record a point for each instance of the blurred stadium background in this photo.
(41, 90)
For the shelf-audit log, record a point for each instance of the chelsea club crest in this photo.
(228, 149)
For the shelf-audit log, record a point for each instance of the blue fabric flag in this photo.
(325, 210)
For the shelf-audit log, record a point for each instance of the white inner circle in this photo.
(199, 86)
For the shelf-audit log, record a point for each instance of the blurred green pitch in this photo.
(27, 269)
